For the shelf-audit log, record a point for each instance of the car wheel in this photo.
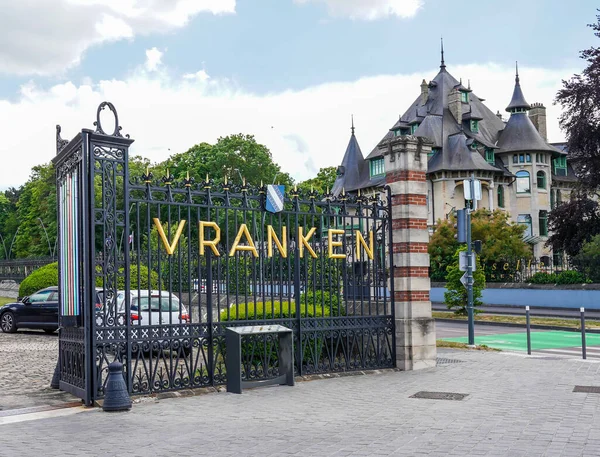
(7, 322)
(49, 330)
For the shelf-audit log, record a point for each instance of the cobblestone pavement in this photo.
(27, 361)
(516, 406)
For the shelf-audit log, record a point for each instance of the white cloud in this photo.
(370, 9)
(47, 37)
(153, 59)
(305, 129)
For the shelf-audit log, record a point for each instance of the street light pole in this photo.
(47, 238)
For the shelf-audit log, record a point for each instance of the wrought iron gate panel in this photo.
(169, 262)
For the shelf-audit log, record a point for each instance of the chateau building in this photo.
(520, 172)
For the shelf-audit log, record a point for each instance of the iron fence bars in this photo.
(167, 263)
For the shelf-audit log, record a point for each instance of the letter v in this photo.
(169, 247)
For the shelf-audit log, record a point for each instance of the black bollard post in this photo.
(55, 383)
(583, 348)
(116, 397)
(528, 330)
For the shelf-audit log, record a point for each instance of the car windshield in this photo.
(156, 304)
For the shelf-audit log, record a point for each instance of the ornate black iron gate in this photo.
(153, 269)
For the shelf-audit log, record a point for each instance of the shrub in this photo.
(271, 310)
(322, 298)
(543, 278)
(42, 277)
(133, 276)
(456, 294)
(570, 277)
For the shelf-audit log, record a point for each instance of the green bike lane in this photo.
(551, 339)
(515, 339)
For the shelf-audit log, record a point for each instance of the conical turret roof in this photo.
(518, 99)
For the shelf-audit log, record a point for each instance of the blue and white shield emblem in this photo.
(274, 198)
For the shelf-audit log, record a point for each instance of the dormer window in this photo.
(377, 167)
(413, 128)
(560, 166)
(464, 97)
(489, 156)
(474, 124)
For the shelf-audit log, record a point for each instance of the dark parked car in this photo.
(39, 310)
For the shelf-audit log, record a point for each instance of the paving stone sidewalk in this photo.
(516, 406)
(27, 361)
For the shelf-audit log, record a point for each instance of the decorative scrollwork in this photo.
(98, 122)
(60, 143)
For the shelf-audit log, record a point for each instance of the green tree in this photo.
(321, 183)
(36, 214)
(575, 222)
(442, 247)
(233, 156)
(501, 239)
(456, 296)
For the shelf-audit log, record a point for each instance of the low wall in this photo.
(9, 289)
(515, 294)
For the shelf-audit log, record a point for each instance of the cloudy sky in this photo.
(291, 72)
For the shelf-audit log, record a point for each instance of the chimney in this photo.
(424, 92)
(455, 105)
(537, 114)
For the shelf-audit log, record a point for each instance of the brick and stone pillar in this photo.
(406, 166)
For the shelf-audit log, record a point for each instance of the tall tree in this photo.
(578, 220)
(236, 156)
(580, 119)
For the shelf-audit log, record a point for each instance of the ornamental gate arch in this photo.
(217, 258)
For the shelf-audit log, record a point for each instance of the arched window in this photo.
(541, 180)
(523, 182)
(500, 196)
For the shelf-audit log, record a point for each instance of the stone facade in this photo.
(406, 166)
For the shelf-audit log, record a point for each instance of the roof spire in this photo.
(442, 64)
(517, 103)
(352, 128)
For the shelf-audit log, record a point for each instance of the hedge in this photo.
(45, 276)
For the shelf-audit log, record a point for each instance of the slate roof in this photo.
(354, 173)
(518, 99)
(521, 135)
(452, 140)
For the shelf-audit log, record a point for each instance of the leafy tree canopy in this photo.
(575, 222)
(235, 156)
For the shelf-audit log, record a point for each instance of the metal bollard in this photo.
(583, 349)
(528, 330)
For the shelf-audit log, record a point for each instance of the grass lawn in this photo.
(5, 300)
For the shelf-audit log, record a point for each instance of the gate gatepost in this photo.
(406, 168)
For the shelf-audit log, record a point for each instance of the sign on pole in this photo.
(463, 260)
(467, 189)
(464, 280)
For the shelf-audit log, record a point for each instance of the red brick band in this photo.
(409, 222)
(409, 199)
(405, 175)
(411, 295)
